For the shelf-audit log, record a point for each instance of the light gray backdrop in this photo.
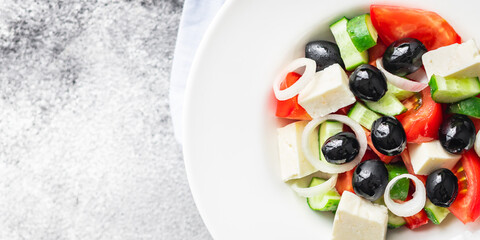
(86, 143)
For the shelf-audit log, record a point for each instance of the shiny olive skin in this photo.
(457, 134)
(370, 179)
(442, 187)
(388, 136)
(404, 56)
(368, 83)
(341, 148)
(324, 53)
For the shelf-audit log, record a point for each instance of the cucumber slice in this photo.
(399, 93)
(469, 107)
(400, 189)
(363, 115)
(349, 53)
(362, 33)
(435, 213)
(395, 221)
(387, 105)
(327, 129)
(326, 202)
(450, 90)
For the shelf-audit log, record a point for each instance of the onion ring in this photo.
(411, 207)
(477, 144)
(301, 83)
(323, 165)
(317, 190)
(400, 82)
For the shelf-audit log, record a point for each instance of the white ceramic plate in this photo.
(230, 143)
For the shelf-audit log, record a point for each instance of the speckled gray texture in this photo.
(86, 144)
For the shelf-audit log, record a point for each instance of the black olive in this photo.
(404, 56)
(368, 83)
(324, 53)
(442, 187)
(457, 134)
(388, 136)
(370, 179)
(341, 148)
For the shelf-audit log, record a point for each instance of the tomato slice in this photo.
(408, 164)
(466, 206)
(476, 122)
(423, 118)
(384, 158)
(290, 107)
(376, 52)
(417, 220)
(344, 110)
(393, 23)
(344, 180)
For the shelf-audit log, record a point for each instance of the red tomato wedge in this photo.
(423, 118)
(384, 158)
(476, 122)
(376, 52)
(344, 180)
(466, 206)
(393, 23)
(408, 164)
(290, 108)
(417, 220)
(344, 110)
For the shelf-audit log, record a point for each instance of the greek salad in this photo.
(385, 122)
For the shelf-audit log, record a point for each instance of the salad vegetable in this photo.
(387, 117)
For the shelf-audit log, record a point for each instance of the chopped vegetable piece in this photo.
(393, 23)
(387, 105)
(344, 181)
(376, 52)
(450, 90)
(290, 108)
(350, 55)
(469, 107)
(417, 220)
(399, 93)
(384, 158)
(400, 189)
(408, 164)
(327, 129)
(363, 115)
(436, 214)
(361, 32)
(421, 122)
(466, 206)
(323, 202)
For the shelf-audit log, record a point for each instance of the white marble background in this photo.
(86, 143)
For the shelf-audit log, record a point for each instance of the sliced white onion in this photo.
(477, 144)
(292, 91)
(411, 207)
(403, 83)
(316, 190)
(419, 76)
(323, 165)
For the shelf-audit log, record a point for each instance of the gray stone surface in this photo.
(86, 142)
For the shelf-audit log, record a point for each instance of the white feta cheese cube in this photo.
(359, 219)
(327, 92)
(456, 60)
(293, 163)
(430, 156)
